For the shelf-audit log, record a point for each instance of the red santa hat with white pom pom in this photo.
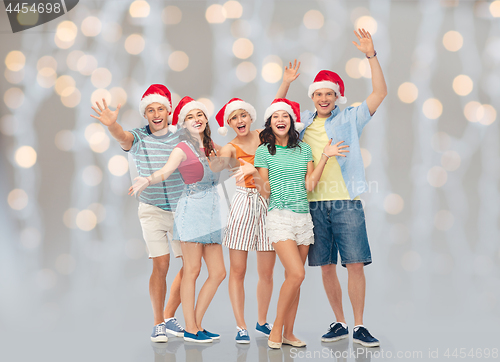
(186, 105)
(156, 93)
(291, 107)
(234, 104)
(330, 80)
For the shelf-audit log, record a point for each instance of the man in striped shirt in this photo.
(150, 147)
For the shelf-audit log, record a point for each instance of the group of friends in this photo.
(295, 197)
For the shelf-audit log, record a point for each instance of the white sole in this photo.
(187, 339)
(335, 339)
(267, 335)
(243, 342)
(162, 339)
(174, 333)
(373, 344)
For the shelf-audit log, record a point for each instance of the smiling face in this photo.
(157, 116)
(324, 101)
(195, 122)
(240, 122)
(280, 123)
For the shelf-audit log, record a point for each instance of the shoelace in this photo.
(174, 321)
(159, 329)
(243, 332)
(269, 326)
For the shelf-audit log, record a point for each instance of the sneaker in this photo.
(172, 326)
(199, 337)
(336, 332)
(242, 336)
(363, 337)
(211, 335)
(265, 329)
(159, 334)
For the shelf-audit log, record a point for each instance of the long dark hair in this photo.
(267, 136)
(206, 138)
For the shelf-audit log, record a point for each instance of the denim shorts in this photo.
(339, 227)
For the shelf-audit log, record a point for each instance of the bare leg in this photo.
(292, 313)
(158, 286)
(289, 255)
(333, 290)
(192, 253)
(237, 271)
(356, 285)
(265, 268)
(216, 273)
(174, 298)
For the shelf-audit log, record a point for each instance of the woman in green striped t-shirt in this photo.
(286, 170)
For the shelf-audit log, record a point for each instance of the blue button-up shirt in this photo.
(346, 126)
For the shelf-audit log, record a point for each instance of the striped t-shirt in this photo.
(150, 153)
(287, 176)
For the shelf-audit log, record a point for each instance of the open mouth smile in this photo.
(242, 128)
(281, 126)
(157, 121)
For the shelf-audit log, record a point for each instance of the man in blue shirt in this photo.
(336, 210)
(150, 147)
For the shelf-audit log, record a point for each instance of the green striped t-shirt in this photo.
(150, 153)
(287, 176)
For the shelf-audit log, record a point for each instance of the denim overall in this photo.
(197, 217)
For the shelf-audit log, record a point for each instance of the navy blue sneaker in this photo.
(336, 332)
(211, 335)
(159, 334)
(199, 337)
(265, 329)
(242, 336)
(364, 338)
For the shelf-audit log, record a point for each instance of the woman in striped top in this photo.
(286, 167)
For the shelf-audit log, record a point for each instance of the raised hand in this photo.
(245, 169)
(365, 42)
(290, 73)
(139, 185)
(335, 150)
(106, 116)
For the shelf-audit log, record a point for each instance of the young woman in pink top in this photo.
(197, 218)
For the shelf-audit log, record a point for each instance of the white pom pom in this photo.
(342, 100)
(299, 126)
(172, 128)
(222, 131)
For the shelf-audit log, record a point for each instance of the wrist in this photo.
(370, 55)
(326, 157)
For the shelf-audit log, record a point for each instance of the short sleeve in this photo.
(307, 151)
(360, 114)
(135, 133)
(260, 157)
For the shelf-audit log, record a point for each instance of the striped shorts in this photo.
(246, 226)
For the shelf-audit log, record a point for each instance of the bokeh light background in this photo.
(73, 264)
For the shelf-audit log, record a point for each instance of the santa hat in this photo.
(186, 105)
(231, 106)
(156, 93)
(330, 80)
(283, 104)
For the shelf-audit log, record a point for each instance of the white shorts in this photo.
(288, 225)
(157, 227)
(246, 225)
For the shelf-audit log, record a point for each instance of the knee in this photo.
(218, 275)
(296, 277)
(160, 265)
(329, 270)
(191, 271)
(238, 272)
(355, 268)
(266, 277)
